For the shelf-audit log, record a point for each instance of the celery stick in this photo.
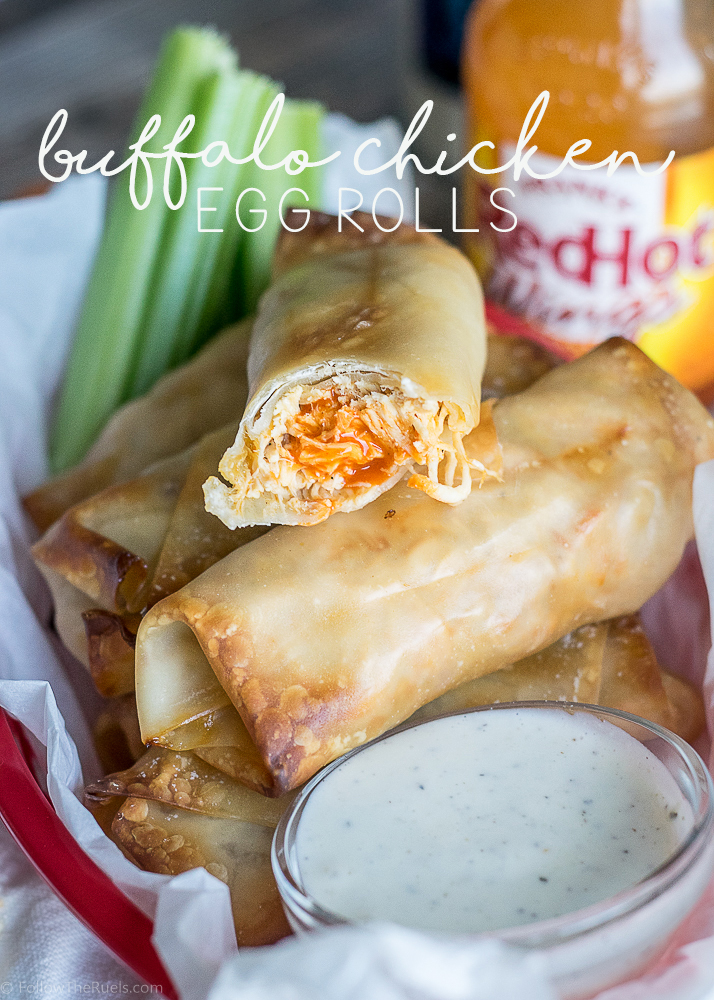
(209, 303)
(216, 299)
(181, 243)
(109, 325)
(299, 128)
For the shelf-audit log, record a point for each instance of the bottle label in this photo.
(594, 256)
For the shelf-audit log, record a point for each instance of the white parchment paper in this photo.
(46, 247)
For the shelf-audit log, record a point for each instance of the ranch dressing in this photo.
(489, 820)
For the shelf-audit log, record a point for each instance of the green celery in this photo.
(160, 287)
(109, 326)
(211, 302)
(181, 242)
(299, 127)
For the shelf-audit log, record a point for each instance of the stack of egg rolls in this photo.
(249, 658)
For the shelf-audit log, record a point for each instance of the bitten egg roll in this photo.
(136, 542)
(325, 639)
(364, 363)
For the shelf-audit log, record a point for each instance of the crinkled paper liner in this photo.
(46, 246)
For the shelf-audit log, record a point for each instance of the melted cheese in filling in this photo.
(330, 443)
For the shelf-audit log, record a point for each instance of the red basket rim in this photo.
(71, 874)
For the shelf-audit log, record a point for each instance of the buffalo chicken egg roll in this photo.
(363, 364)
(112, 556)
(609, 663)
(325, 639)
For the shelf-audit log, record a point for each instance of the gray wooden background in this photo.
(94, 57)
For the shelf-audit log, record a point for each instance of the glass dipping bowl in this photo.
(589, 949)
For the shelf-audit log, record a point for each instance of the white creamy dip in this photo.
(489, 820)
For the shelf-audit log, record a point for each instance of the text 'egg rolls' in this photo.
(323, 639)
(364, 363)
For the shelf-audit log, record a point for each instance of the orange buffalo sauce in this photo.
(328, 437)
(593, 256)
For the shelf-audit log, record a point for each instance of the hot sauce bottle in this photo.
(592, 255)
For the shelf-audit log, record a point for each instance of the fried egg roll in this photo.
(364, 363)
(136, 542)
(112, 556)
(181, 814)
(325, 639)
(610, 663)
(200, 396)
(117, 739)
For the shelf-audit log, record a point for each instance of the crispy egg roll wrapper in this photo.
(325, 639)
(110, 641)
(104, 814)
(108, 545)
(567, 670)
(633, 682)
(687, 713)
(362, 365)
(512, 362)
(569, 666)
(321, 237)
(166, 840)
(110, 557)
(101, 640)
(184, 780)
(70, 604)
(610, 664)
(202, 395)
(84, 546)
(194, 539)
(221, 739)
(98, 561)
(181, 813)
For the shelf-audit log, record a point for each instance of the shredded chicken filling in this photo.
(341, 437)
(328, 437)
